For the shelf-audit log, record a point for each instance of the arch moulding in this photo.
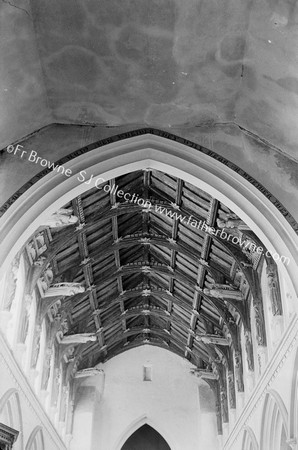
(293, 405)
(273, 403)
(134, 426)
(248, 433)
(37, 431)
(176, 158)
(13, 393)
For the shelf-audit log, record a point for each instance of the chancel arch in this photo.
(142, 152)
(110, 278)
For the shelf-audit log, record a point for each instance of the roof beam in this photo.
(197, 299)
(87, 268)
(151, 269)
(116, 250)
(66, 236)
(173, 239)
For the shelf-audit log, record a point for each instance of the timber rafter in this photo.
(144, 271)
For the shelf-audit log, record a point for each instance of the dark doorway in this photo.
(146, 438)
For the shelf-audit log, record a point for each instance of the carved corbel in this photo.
(36, 345)
(249, 351)
(274, 289)
(224, 405)
(239, 371)
(258, 309)
(231, 389)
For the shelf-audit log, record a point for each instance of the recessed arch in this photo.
(150, 151)
(10, 408)
(274, 422)
(138, 423)
(36, 440)
(293, 416)
(249, 440)
(4, 399)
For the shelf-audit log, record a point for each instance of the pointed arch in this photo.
(293, 419)
(275, 430)
(147, 149)
(11, 413)
(249, 440)
(138, 423)
(36, 440)
(146, 437)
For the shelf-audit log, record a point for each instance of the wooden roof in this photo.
(144, 272)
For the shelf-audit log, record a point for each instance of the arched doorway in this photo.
(146, 438)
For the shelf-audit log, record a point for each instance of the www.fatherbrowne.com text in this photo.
(98, 182)
(176, 215)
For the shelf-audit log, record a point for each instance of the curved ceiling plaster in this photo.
(167, 63)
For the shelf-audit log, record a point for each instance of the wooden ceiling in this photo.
(144, 273)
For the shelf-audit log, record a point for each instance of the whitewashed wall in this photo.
(169, 403)
(273, 402)
(27, 414)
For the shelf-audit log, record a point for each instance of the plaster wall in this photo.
(23, 97)
(279, 380)
(270, 167)
(185, 63)
(222, 74)
(169, 403)
(31, 413)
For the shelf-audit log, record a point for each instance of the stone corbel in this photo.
(62, 218)
(204, 374)
(224, 405)
(89, 372)
(258, 310)
(239, 371)
(224, 294)
(274, 289)
(231, 390)
(64, 290)
(249, 351)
